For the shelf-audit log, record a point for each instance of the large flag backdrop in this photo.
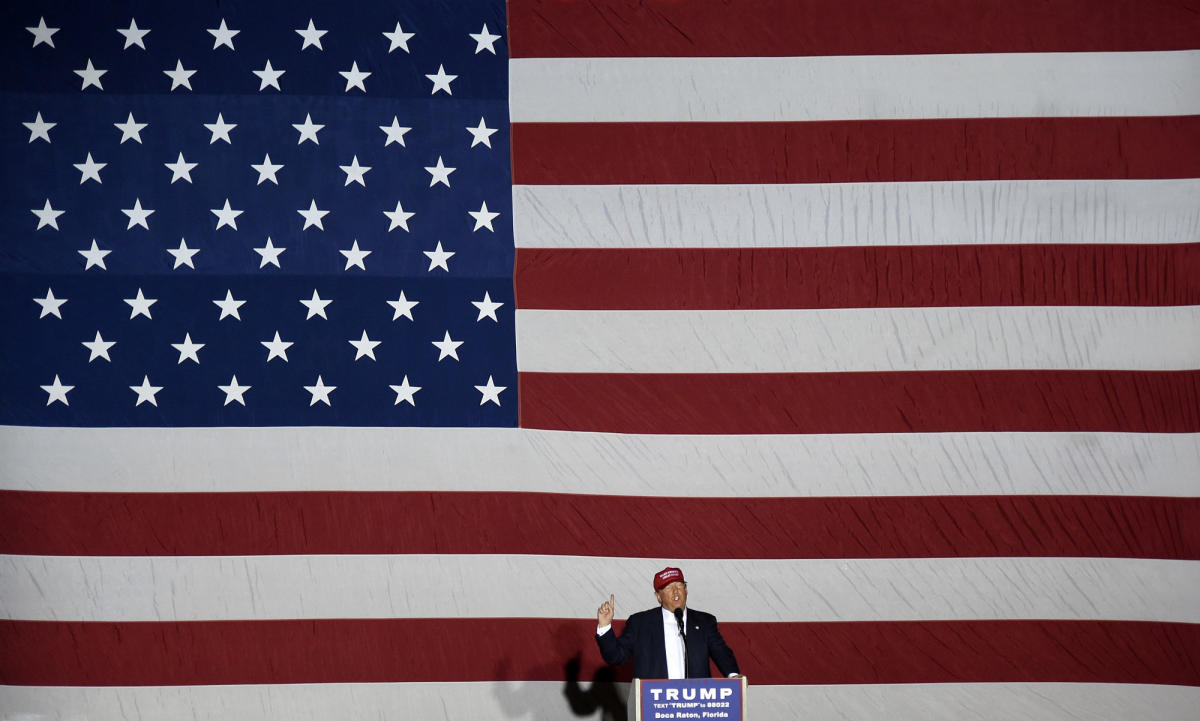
(878, 318)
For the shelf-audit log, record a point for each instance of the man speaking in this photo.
(670, 641)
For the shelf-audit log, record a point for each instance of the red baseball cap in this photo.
(666, 577)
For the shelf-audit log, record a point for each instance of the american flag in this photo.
(354, 353)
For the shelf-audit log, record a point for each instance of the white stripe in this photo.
(979, 702)
(857, 214)
(854, 87)
(185, 460)
(554, 701)
(89, 588)
(859, 340)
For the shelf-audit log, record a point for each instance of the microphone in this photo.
(683, 638)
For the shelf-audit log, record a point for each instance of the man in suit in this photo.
(659, 646)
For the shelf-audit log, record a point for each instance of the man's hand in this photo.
(604, 615)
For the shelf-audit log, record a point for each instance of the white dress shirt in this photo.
(675, 646)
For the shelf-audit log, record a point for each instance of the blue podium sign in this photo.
(718, 699)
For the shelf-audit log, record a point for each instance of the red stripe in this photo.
(620, 28)
(405, 650)
(845, 151)
(882, 402)
(857, 277)
(217, 524)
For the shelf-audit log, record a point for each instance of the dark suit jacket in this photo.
(643, 640)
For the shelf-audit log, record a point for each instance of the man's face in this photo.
(673, 596)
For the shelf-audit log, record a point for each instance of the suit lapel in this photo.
(688, 642)
(660, 646)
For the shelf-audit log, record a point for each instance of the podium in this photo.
(716, 699)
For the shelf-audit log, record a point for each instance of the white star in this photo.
(223, 35)
(487, 307)
(355, 172)
(99, 348)
(316, 306)
(313, 216)
(438, 257)
(269, 253)
(229, 306)
(320, 392)
(89, 170)
(481, 134)
(94, 256)
(395, 132)
(233, 391)
(364, 347)
(146, 392)
(131, 129)
(311, 36)
(399, 38)
(277, 348)
(403, 307)
(187, 349)
(484, 41)
(308, 130)
(405, 393)
(441, 81)
(447, 346)
(266, 170)
(140, 305)
(226, 215)
(43, 34)
(491, 392)
(354, 78)
(220, 129)
(50, 304)
(133, 35)
(183, 255)
(354, 257)
(47, 216)
(268, 77)
(181, 169)
(90, 75)
(398, 217)
(179, 76)
(41, 129)
(483, 218)
(137, 215)
(439, 173)
(58, 392)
